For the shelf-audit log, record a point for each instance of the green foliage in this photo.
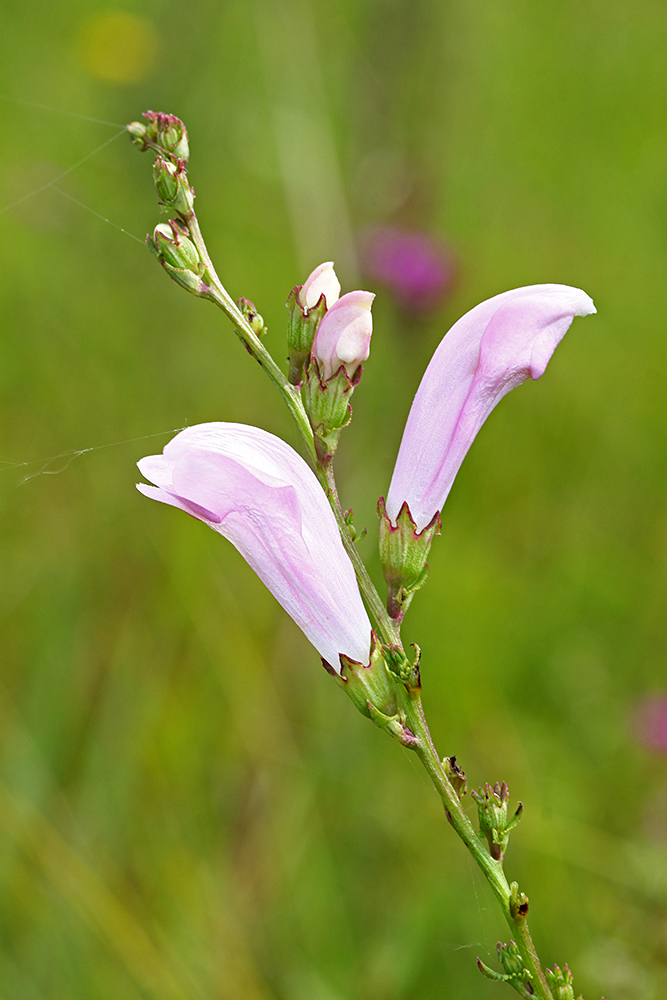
(188, 805)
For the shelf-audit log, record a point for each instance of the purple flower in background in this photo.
(489, 351)
(255, 490)
(414, 266)
(650, 722)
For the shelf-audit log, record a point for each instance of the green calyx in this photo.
(302, 324)
(171, 183)
(178, 255)
(327, 405)
(370, 686)
(515, 973)
(403, 552)
(492, 806)
(405, 672)
(560, 983)
(255, 321)
(164, 133)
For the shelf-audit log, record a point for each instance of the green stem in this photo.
(492, 870)
(386, 627)
(218, 294)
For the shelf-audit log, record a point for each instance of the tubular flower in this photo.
(489, 351)
(255, 490)
(343, 337)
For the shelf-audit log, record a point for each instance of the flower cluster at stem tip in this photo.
(256, 491)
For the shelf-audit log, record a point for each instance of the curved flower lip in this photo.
(344, 334)
(321, 281)
(255, 490)
(489, 351)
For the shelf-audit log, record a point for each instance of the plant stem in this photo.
(492, 870)
(218, 294)
(387, 629)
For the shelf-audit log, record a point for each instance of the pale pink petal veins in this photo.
(258, 493)
(321, 281)
(344, 334)
(489, 351)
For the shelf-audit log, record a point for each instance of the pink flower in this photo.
(257, 492)
(489, 351)
(321, 281)
(344, 334)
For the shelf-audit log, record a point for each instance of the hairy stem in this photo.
(492, 870)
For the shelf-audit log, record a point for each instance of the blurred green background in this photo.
(189, 807)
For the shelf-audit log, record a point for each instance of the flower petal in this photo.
(489, 351)
(344, 335)
(321, 281)
(257, 492)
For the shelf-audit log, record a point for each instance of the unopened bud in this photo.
(139, 133)
(178, 255)
(173, 245)
(343, 338)
(321, 281)
(163, 132)
(255, 321)
(515, 972)
(307, 305)
(510, 959)
(171, 183)
(561, 983)
(492, 805)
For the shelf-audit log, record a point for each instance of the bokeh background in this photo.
(189, 807)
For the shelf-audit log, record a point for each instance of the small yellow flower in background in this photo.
(118, 47)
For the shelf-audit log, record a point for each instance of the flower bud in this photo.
(321, 281)
(255, 321)
(560, 983)
(164, 132)
(493, 822)
(170, 134)
(307, 304)
(174, 247)
(343, 338)
(178, 256)
(139, 133)
(515, 972)
(171, 183)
